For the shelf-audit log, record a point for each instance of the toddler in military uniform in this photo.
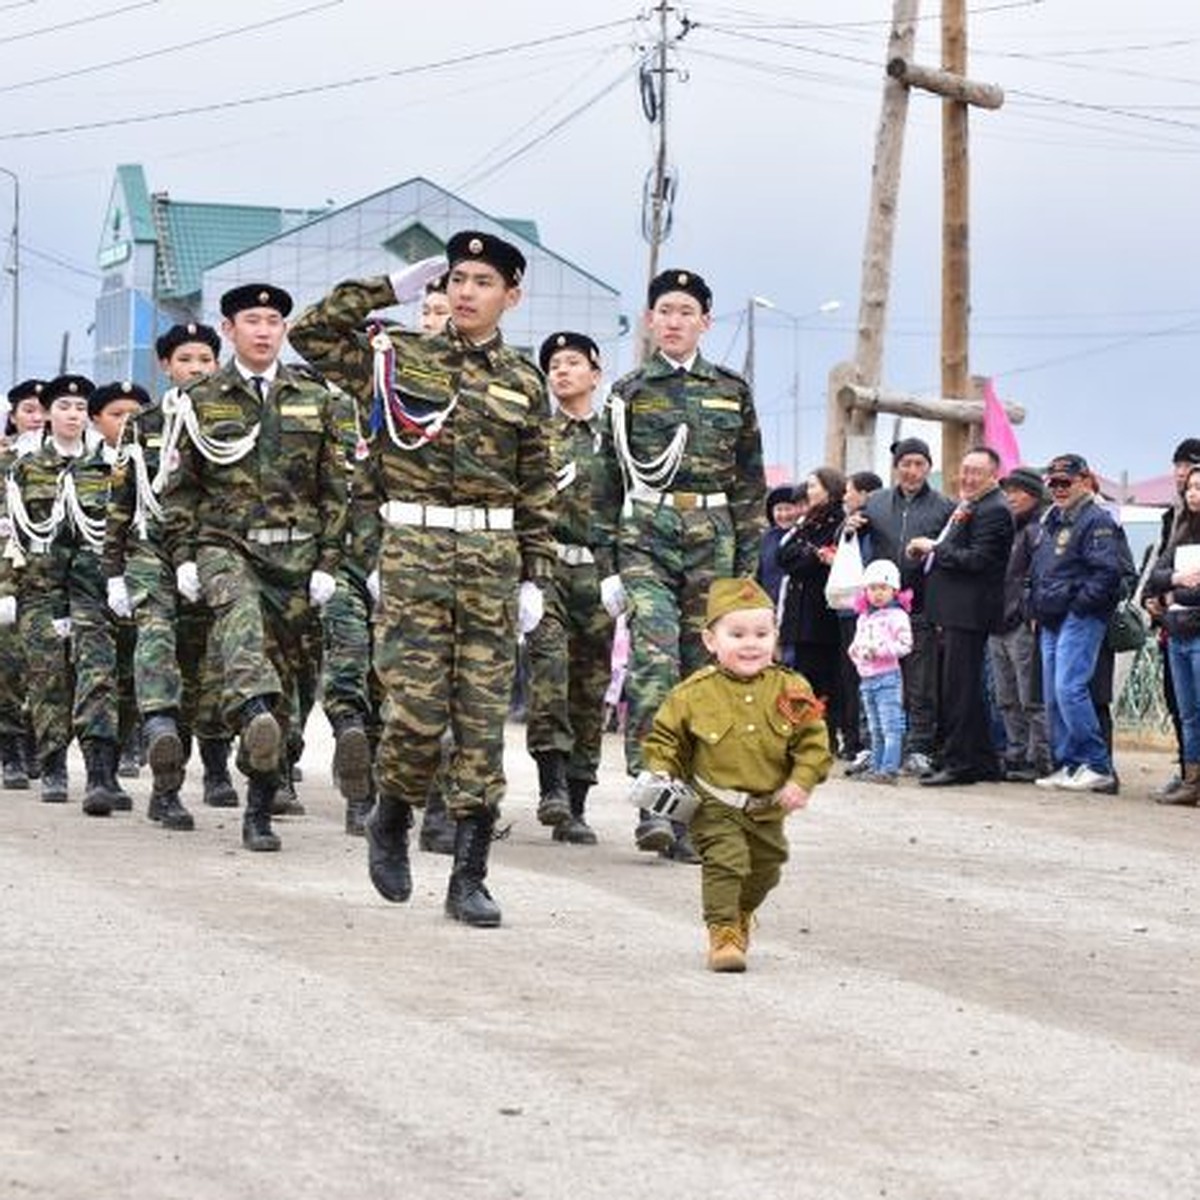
(749, 737)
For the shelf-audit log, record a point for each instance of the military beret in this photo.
(183, 335)
(1073, 465)
(75, 386)
(438, 286)
(104, 395)
(473, 246)
(567, 340)
(679, 281)
(255, 295)
(27, 389)
(1188, 451)
(1026, 479)
(733, 595)
(907, 446)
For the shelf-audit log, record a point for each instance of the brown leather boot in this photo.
(1187, 790)
(726, 948)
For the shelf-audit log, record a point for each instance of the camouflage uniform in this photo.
(669, 545)
(13, 714)
(570, 651)
(445, 622)
(259, 526)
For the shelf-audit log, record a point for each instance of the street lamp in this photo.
(15, 270)
(795, 320)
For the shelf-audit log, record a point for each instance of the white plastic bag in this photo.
(845, 572)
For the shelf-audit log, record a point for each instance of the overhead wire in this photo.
(88, 20)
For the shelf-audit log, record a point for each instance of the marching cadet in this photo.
(22, 435)
(463, 470)
(681, 505)
(178, 693)
(570, 651)
(254, 518)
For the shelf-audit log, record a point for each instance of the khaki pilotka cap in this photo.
(734, 595)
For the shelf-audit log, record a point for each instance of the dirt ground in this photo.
(976, 992)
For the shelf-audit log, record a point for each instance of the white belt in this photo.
(683, 501)
(276, 535)
(573, 556)
(462, 518)
(731, 796)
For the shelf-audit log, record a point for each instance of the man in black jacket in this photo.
(896, 515)
(964, 599)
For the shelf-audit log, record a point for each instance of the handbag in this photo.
(845, 573)
(1127, 627)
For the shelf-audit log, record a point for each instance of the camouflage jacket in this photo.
(492, 451)
(294, 476)
(574, 454)
(147, 431)
(723, 451)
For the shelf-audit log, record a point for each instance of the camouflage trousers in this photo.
(49, 676)
(668, 560)
(12, 682)
(262, 628)
(570, 664)
(349, 688)
(102, 649)
(444, 638)
(174, 667)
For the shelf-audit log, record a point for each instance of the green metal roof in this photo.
(132, 181)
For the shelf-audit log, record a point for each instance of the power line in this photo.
(203, 41)
(112, 12)
(313, 89)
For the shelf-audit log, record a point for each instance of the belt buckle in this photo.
(687, 501)
(464, 520)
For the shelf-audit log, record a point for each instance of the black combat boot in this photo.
(467, 898)
(167, 809)
(100, 759)
(53, 775)
(261, 737)
(164, 752)
(576, 830)
(285, 802)
(256, 820)
(437, 826)
(15, 776)
(122, 801)
(129, 759)
(356, 814)
(554, 803)
(33, 765)
(387, 848)
(681, 850)
(219, 791)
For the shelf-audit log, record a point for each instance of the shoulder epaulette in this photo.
(699, 675)
(729, 373)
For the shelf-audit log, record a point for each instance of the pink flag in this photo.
(998, 430)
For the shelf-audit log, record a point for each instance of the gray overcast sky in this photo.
(1085, 258)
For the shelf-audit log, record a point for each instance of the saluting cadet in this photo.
(681, 505)
(177, 695)
(463, 471)
(254, 520)
(22, 435)
(570, 651)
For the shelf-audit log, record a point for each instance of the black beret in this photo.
(438, 286)
(66, 385)
(473, 246)
(567, 340)
(182, 335)
(1188, 451)
(255, 295)
(104, 395)
(27, 389)
(679, 281)
(1027, 479)
(910, 445)
(1073, 465)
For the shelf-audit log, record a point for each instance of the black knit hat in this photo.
(1188, 451)
(907, 446)
(1026, 479)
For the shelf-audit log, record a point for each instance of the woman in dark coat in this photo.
(809, 626)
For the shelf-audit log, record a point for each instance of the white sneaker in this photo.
(1086, 780)
(1055, 779)
(917, 763)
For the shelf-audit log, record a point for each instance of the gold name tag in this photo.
(221, 412)
(299, 410)
(725, 405)
(154, 440)
(503, 393)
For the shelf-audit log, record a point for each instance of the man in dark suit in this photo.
(964, 598)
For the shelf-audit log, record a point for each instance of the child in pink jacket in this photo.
(882, 637)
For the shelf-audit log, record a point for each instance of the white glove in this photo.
(62, 627)
(187, 581)
(118, 597)
(612, 596)
(8, 610)
(409, 284)
(531, 606)
(373, 586)
(321, 586)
